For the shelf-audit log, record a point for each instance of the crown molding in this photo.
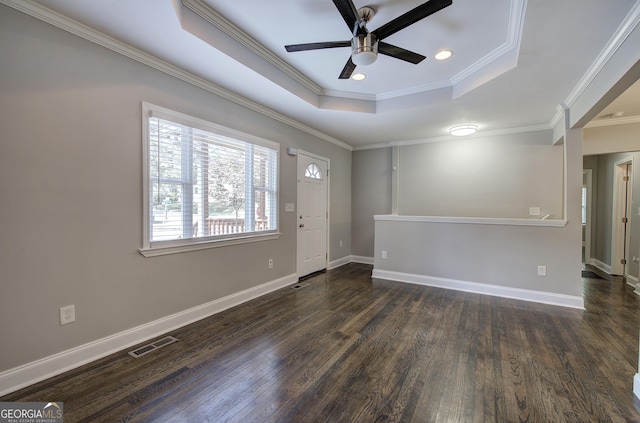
(76, 28)
(476, 71)
(479, 134)
(617, 39)
(624, 30)
(226, 26)
(514, 35)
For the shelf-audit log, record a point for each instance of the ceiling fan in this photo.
(366, 45)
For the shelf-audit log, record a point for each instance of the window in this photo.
(205, 185)
(313, 172)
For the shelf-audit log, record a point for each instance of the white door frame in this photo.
(620, 240)
(328, 176)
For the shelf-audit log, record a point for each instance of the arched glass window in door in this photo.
(313, 172)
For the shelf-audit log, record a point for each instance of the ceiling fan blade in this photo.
(317, 46)
(411, 17)
(349, 13)
(348, 69)
(399, 53)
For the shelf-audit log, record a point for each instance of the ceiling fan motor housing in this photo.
(364, 49)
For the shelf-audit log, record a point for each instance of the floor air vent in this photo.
(300, 285)
(139, 352)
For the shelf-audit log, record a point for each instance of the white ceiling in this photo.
(514, 61)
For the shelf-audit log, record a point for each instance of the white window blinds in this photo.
(206, 182)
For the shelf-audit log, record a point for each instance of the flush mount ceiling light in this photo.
(462, 130)
(443, 54)
(358, 76)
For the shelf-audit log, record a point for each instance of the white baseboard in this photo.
(481, 288)
(362, 259)
(339, 262)
(602, 266)
(30, 373)
(636, 385)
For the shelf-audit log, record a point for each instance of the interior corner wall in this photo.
(71, 189)
(371, 187)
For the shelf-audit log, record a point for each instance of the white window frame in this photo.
(149, 248)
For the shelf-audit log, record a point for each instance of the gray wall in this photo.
(603, 181)
(499, 255)
(371, 185)
(71, 189)
(501, 176)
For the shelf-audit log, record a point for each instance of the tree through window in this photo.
(207, 182)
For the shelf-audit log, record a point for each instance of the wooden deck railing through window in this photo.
(225, 225)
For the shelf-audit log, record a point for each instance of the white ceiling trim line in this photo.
(226, 26)
(475, 75)
(479, 134)
(624, 30)
(76, 28)
(468, 79)
(512, 45)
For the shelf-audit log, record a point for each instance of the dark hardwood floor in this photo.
(347, 348)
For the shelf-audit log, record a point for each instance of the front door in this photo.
(312, 213)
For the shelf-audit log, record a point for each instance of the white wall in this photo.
(71, 190)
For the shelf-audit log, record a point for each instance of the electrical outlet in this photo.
(340, 243)
(270, 263)
(384, 254)
(542, 270)
(67, 314)
(534, 211)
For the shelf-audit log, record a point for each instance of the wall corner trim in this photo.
(13, 379)
(485, 289)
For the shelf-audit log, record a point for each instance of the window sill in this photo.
(196, 246)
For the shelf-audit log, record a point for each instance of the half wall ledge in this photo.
(473, 220)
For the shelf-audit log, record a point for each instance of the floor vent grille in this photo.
(300, 285)
(146, 349)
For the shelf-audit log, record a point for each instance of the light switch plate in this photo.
(289, 207)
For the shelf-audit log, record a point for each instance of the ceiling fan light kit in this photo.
(364, 49)
(366, 45)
